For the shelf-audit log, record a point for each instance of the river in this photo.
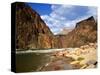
(31, 60)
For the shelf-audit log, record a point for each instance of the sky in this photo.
(57, 16)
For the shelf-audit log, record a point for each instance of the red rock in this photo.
(84, 33)
(31, 30)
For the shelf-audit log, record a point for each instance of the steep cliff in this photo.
(31, 31)
(85, 32)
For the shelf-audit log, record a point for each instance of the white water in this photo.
(42, 51)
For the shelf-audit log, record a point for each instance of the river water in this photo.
(31, 60)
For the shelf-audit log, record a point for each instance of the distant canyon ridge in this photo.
(33, 33)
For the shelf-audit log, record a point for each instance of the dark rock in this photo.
(31, 31)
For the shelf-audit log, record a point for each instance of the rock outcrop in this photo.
(31, 31)
(85, 32)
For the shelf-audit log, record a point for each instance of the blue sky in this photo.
(42, 9)
(58, 17)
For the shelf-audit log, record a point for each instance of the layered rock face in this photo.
(31, 31)
(84, 33)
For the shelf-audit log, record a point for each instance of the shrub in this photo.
(80, 58)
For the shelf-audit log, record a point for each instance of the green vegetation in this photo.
(80, 58)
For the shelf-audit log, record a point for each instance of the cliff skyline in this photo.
(58, 16)
(32, 32)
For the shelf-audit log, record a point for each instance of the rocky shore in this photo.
(84, 57)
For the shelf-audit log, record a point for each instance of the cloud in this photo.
(63, 16)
